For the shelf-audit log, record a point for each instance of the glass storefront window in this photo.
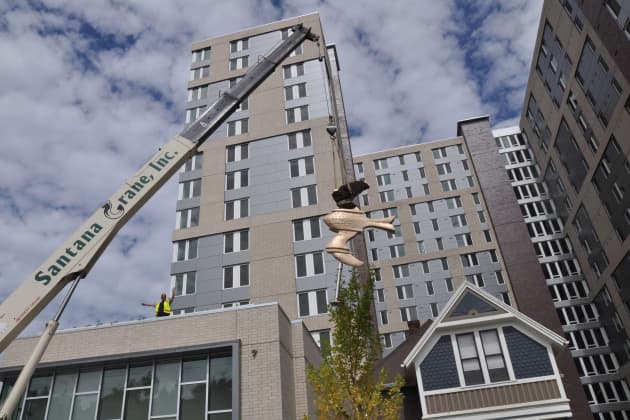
(140, 376)
(165, 388)
(62, 394)
(192, 401)
(194, 370)
(192, 388)
(84, 407)
(220, 384)
(112, 391)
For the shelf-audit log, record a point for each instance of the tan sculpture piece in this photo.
(347, 223)
(348, 220)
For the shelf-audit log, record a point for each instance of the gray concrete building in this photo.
(248, 226)
(576, 121)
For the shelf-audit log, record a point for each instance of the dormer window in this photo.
(488, 368)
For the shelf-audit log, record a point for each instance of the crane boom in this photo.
(79, 253)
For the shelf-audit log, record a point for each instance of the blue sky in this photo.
(89, 91)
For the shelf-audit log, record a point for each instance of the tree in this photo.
(344, 384)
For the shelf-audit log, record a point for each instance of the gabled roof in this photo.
(471, 305)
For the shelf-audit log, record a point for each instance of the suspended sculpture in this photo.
(348, 220)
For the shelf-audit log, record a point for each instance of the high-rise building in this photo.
(250, 203)
(577, 118)
(458, 219)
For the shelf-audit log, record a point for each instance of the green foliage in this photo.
(344, 385)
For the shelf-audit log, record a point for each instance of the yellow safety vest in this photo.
(167, 307)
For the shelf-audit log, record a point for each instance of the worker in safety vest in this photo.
(163, 307)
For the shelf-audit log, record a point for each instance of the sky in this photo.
(89, 90)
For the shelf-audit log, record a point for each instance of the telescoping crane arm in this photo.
(77, 255)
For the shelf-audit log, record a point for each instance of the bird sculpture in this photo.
(348, 220)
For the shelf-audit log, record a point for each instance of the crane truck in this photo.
(77, 255)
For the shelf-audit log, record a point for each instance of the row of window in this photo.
(195, 387)
(238, 152)
(306, 265)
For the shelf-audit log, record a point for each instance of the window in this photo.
(235, 303)
(463, 239)
(408, 314)
(386, 196)
(193, 113)
(294, 70)
(439, 243)
(405, 175)
(185, 283)
(236, 241)
(185, 250)
(239, 45)
(449, 284)
(613, 7)
(469, 359)
(383, 317)
(194, 163)
(439, 153)
(476, 199)
(237, 179)
(486, 234)
(459, 220)
(422, 173)
(303, 196)
(199, 73)
(416, 227)
(236, 276)
(444, 262)
(187, 218)
(238, 127)
(453, 203)
(299, 50)
(301, 167)
(434, 309)
(311, 264)
(444, 168)
(418, 156)
(495, 362)
(386, 340)
(469, 260)
(498, 275)
(404, 292)
(397, 251)
(201, 55)
(286, 33)
(237, 152)
(237, 209)
(476, 279)
(493, 256)
(299, 140)
(401, 271)
(380, 164)
(239, 63)
(380, 295)
(198, 93)
(429, 286)
(306, 229)
(295, 91)
(425, 267)
(448, 185)
(384, 179)
(312, 303)
(434, 223)
(297, 114)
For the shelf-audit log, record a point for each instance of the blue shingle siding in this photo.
(438, 369)
(529, 359)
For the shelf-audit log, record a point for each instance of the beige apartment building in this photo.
(248, 224)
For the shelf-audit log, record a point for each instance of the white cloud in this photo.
(79, 115)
